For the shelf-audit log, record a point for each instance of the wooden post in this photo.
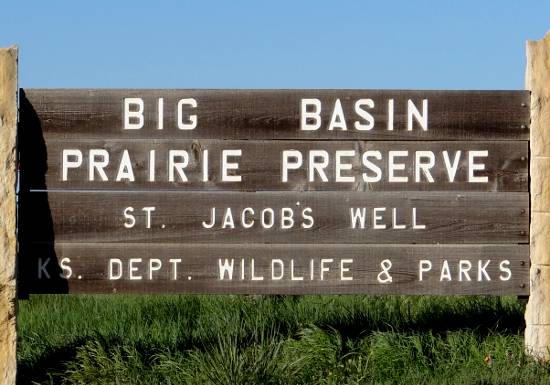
(537, 315)
(8, 243)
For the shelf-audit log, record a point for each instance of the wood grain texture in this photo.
(275, 114)
(178, 216)
(197, 270)
(260, 165)
(80, 223)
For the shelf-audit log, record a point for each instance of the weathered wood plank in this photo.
(275, 114)
(317, 217)
(275, 269)
(261, 165)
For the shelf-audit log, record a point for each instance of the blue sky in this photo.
(277, 44)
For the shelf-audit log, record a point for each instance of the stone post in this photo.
(537, 315)
(8, 243)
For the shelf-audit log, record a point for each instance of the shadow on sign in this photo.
(39, 270)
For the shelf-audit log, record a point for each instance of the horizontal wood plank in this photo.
(274, 269)
(275, 114)
(260, 165)
(317, 217)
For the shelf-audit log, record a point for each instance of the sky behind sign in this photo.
(469, 44)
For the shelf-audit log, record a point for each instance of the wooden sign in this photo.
(274, 191)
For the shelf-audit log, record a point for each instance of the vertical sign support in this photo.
(537, 315)
(8, 244)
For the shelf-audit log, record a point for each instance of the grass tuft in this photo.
(274, 340)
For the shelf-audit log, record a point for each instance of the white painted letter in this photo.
(371, 166)
(337, 120)
(226, 268)
(503, 267)
(424, 266)
(67, 164)
(125, 170)
(412, 111)
(131, 219)
(345, 270)
(291, 154)
(66, 269)
(148, 211)
(132, 268)
(451, 168)
(128, 125)
(192, 118)
(339, 166)
(315, 115)
(230, 166)
(281, 265)
(154, 265)
(112, 263)
(376, 218)
(464, 266)
(318, 166)
(174, 262)
(424, 166)
(98, 165)
(392, 166)
(476, 166)
(364, 114)
(179, 166)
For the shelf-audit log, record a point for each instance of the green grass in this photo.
(274, 340)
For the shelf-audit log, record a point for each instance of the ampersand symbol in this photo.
(384, 276)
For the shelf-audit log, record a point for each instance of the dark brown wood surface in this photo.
(80, 223)
(275, 114)
(197, 270)
(260, 165)
(178, 216)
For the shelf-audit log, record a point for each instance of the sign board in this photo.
(274, 191)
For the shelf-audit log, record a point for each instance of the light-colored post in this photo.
(537, 315)
(8, 242)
